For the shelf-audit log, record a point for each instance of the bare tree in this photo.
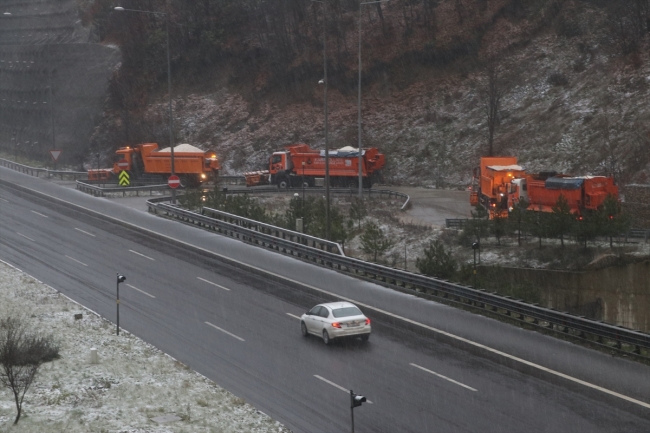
(492, 93)
(21, 355)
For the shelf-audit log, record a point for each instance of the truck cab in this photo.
(280, 162)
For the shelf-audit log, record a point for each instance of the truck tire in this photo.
(283, 183)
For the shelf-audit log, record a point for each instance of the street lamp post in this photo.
(169, 88)
(303, 182)
(359, 99)
(98, 175)
(120, 279)
(475, 246)
(327, 150)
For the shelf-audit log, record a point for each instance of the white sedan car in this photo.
(335, 320)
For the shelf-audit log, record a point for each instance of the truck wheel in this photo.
(283, 184)
(353, 184)
(305, 184)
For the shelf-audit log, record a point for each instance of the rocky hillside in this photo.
(53, 80)
(572, 74)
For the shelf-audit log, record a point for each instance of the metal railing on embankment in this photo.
(459, 223)
(33, 171)
(352, 192)
(101, 191)
(596, 332)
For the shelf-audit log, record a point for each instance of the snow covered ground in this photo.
(132, 385)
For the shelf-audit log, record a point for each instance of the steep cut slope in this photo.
(52, 81)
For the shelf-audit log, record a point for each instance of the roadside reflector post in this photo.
(120, 279)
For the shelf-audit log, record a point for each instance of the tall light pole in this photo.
(169, 88)
(327, 149)
(359, 99)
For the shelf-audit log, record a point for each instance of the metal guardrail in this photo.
(232, 180)
(274, 231)
(452, 223)
(99, 191)
(611, 336)
(33, 171)
(340, 191)
(639, 233)
(455, 223)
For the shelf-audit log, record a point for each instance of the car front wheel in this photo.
(326, 337)
(303, 329)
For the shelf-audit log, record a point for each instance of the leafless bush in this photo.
(21, 355)
(557, 79)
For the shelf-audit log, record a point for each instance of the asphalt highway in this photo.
(241, 330)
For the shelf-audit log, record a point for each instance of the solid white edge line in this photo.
(141, 291)
(140, 254)
(26, 237)
(85, 232)
(293, 315)
(337, 386)
(38, 213)
(443, 377)
(439, 331)
(101, 317)
(224, 331)
(75, 260)
(214, 284)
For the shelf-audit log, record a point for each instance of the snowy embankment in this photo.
(134, 388)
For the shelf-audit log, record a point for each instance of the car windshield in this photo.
(346, 312)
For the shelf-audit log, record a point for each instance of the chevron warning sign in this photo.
(124, 178)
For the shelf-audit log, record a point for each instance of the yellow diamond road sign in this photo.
(124, 178)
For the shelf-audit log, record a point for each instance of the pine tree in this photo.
(562, 219)
(436, 261)
(374, 242)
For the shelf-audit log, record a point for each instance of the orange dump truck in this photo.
(193, 165)
(500, 183)
(582, 193)
(300, 165)
(493, 184)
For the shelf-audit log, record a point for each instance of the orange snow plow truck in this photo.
(500, 183)
(299, 165)
(193, 165)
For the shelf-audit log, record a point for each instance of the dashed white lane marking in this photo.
(140, 254)
(85, 232)
(141, 291)
(4, 199)
(26, 237)
(336, 386)
(293, 315)
(414, 322)
(443, 377)
(38, 213)
(224, 331)
(75, 260)
(214, 284)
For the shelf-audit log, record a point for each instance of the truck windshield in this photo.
(276, 159)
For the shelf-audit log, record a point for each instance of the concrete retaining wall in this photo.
(617, 294)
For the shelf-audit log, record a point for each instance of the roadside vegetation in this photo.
(374, 229)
